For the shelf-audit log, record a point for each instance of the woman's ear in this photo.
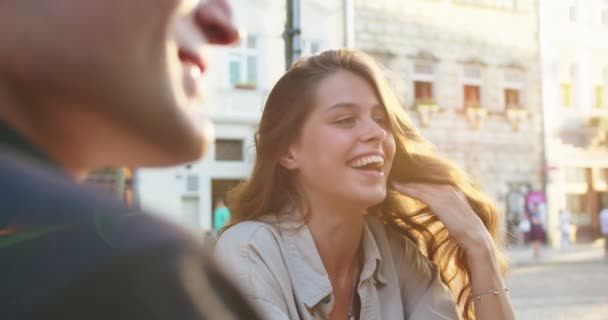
(288, 161)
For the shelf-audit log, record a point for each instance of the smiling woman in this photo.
(349, 214)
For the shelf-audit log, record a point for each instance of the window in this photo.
(599, 179)
(315, 46)
(512, 92)
(228, 150)
(575, 175)
(505, 4)
(566, 94)
(502, 4)
(424, 78)
(470, 1)
(471, 96)
(604, 13)
(572, 12)
(472, 73)
(192, 183)
(472, 87)
(423, 91)
(243, 64)
(599, 97)
(577, 205)
(310, 47)
(512, 99)
(190, 209)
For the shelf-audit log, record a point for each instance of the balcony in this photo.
(426, 110)
(516, 115)
(598, 132)
(475, 114)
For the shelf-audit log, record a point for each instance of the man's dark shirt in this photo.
(68, 253)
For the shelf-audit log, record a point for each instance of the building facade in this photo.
(236, 85)
(574, 63)
(512, 90)
(470, 78)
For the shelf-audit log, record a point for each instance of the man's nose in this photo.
(215, 19)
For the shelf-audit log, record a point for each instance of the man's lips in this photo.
(215, 21)
(191, 58)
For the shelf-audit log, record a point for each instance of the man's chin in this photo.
(193, 149)
(179, 148)
(195, 144)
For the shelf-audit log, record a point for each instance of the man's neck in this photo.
(26, 130)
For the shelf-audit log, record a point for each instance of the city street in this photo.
(570, 285)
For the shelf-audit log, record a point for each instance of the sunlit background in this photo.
(512, 90)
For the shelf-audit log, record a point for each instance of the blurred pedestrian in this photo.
(604, 228)
(86, 84)
(565, 223)
(537, 232)
(524, 229)
(221, 215)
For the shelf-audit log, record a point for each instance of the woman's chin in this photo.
(368, 200)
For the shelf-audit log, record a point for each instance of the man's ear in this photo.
(288, 160)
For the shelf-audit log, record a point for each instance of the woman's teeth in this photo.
(361, 162)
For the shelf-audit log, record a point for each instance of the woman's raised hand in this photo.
(452, 208)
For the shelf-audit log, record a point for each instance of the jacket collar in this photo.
(13, 141)
(309, 278)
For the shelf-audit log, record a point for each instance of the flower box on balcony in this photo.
(475, 115)
(516, 115)
(599, 126)
(245, 86)
(426, 111)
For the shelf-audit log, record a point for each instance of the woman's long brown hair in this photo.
(271, 188)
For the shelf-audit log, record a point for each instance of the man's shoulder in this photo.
(35, 197)
(77, 254)
(57, 233)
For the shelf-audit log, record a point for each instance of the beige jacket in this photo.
(276, 263)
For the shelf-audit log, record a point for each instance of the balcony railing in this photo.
(426, 110)
(475, 116)
(516, 115)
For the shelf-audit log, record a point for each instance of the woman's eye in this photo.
(382, 121)
(346, 121)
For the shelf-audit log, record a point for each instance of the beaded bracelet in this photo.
(493, 292)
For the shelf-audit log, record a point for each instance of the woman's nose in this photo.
(215, 20)
(374, 131)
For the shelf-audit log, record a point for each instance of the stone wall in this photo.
(452, 36)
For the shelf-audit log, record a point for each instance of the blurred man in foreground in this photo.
(86, 84)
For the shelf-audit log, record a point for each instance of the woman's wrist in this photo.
(481, 249)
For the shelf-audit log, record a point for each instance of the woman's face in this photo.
(345, 150)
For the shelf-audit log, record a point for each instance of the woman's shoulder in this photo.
(258, 233)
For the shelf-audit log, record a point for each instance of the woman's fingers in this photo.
(450, 206)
